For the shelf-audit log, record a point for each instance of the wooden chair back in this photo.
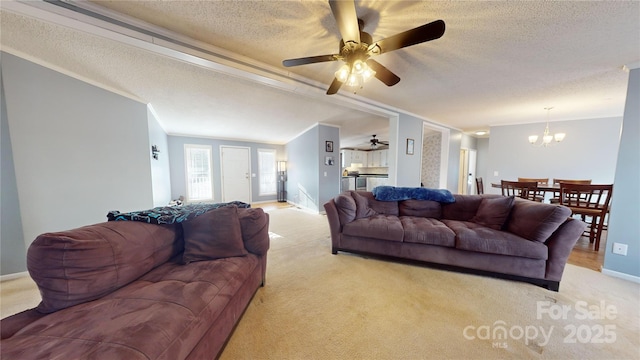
(588, 200)
(556, 193)
(539, 194)
(523, 189)
(479, 186)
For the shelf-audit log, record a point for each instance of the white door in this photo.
(467, 176)
(236, 174)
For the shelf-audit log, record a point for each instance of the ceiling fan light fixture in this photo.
(343, 73)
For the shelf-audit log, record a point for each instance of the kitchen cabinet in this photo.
(352, 157)
(378, 158)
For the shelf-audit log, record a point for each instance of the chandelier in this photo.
(547, 138)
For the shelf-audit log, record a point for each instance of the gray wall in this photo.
(625, 209)
(160, 171)
(303, 170)
(178, 176)
(482, 160)
(12, 246)
(408, 167)
(455, 143)
(78, 150)
(330, 175)
(587, 152)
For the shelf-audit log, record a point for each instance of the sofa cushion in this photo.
(493, 212)
(213, 235)
(83, 264)
(536, 221)
(477, 238)
(381, 227)
(346, 206)
(255, 228)
(427, 231)
(174, 303)
(362, 206)
(379, 207)
(422, 208)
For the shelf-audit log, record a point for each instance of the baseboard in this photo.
(635, 279)
(13, 276)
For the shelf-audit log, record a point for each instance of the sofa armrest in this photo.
(560, 245)
(12, 324)
(334, 224)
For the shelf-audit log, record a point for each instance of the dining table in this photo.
(548, 187)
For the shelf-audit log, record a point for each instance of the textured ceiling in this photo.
(497, 63)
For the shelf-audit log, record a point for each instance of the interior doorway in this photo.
(236, 173)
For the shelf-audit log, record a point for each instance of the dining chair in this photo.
(588, 200)
(555, 199)
(523, 189)
(539, 194)
(479, 186)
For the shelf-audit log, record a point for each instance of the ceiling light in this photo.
(480, 133)
(354, 75)
(547, 138)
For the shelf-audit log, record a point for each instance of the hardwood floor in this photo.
(583, 254)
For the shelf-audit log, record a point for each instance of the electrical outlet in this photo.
(620, 249)
(495, 173)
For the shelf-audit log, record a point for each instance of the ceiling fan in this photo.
(357, 48)
(375, 141)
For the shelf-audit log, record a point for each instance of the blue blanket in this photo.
(170, 214)
(392, 193)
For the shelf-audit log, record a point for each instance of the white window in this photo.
(198, 167)
(267, 171)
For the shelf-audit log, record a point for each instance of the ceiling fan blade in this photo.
(344, 11)
(334, 87)
(383, 74)
(426, 32)
(309, 60)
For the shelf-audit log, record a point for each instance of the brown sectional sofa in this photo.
(127, 290)
(485, 234)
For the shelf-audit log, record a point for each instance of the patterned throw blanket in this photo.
(170, 214)
(392, 193)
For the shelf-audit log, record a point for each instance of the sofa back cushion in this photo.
(536, 221)
(215, 234)
(346, 206)
(463, 209)
(493, 212)
(420, 208)
(84, 264)
(369, 206)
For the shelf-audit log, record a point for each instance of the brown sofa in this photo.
(132, 290)
(485, 234)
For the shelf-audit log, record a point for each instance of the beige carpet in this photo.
(316, 305)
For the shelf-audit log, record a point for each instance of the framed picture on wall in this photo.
(410, 143)
(328, 146)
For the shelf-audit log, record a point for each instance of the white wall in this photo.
(588, 152)
(79, 151)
